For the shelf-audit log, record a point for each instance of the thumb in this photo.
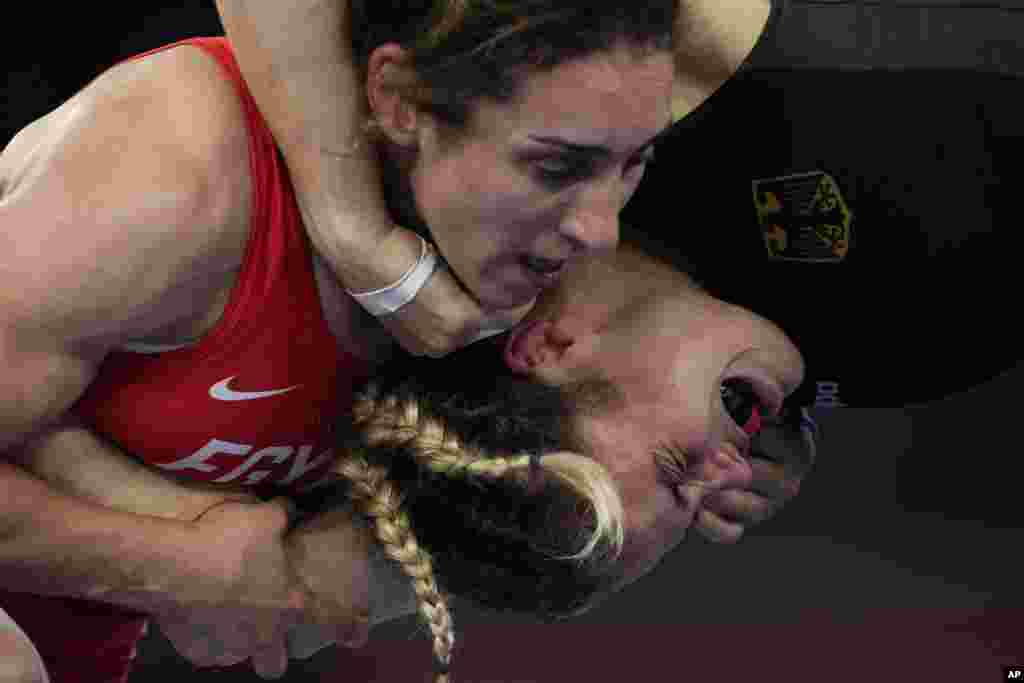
(725, 469)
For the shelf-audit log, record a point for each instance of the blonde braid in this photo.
(392, 424)
(380, 499)
(395, 425)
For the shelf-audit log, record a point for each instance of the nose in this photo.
(592, 221)
(775, 354)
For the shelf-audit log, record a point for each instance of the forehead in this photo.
(612, 98)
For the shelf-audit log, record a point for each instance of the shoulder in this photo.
(135, 185)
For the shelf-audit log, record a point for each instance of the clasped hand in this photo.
(270, 580)
(780, 460)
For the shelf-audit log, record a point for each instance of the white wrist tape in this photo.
(388, 300)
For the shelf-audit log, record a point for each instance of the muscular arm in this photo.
(106, 210)
(329, 552)
(714, 38)
(296, 59)
(78, 463)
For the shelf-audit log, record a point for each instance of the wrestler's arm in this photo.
(328, 552)
(107, 205)
(52, 216)
(77, 462)
(297, 62)
(714, 38)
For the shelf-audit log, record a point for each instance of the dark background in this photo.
(901, 559)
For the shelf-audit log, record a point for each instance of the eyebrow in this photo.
(597, 150)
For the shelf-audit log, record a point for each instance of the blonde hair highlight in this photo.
(389, 423)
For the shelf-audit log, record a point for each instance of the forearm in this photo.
(713, 39)
(78, 463)
(54, 544)
(297, 61)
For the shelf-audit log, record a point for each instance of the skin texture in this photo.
(485, 196)
(193, 247)
(302, 79)
(327, 559)
(668, 353)
(187, 209)
(294, 64)
(584, 326)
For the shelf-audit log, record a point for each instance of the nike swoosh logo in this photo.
(222, 392)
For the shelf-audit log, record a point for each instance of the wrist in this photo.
(363, 264)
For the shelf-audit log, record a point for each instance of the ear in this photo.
(388, 76)
(550, 352)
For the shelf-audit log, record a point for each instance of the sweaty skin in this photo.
(673, 396)
(175, 196)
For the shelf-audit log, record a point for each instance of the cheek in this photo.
(655, 525)
(478, 194)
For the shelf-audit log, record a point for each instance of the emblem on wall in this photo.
(803, 217)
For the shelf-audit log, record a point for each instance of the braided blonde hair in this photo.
(403, 426)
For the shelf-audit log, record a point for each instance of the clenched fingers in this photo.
(717, 529)
(776, 482)
(743, 507)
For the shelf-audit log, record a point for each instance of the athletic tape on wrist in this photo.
(391, 299)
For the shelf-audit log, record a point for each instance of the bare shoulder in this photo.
(133, 189)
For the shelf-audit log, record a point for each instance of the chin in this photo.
(499, 295)
(499, 285)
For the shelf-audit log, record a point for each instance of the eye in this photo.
(559, 171)
(741, 400)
